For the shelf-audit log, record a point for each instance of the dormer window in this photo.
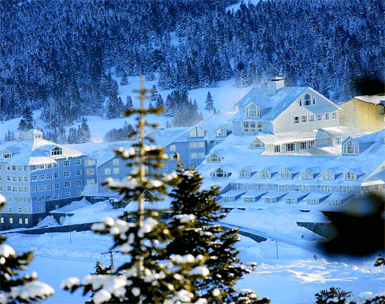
(351, 176)
(328, 175)
(7, 155)
(213, 158)
(285, 174)
(56, 151)
(244, 173)
(256, 144)
(306, 174)
(197, 132)
(252, 111)
(219, 173)
(350, 147)
(221, 132)
(265, 174)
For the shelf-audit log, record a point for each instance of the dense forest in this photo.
(58, 55)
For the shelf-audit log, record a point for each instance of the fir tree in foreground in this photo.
(140, 235)
(13, 287)
(206, 237)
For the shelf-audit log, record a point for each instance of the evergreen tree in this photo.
(159, 103)
(28, 118)
(129, 104)
(206, 237)
(209, 103)
(139, 234)
(84, 133)
(333, 295)
(13, 287)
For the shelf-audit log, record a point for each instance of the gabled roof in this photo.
(373, 99)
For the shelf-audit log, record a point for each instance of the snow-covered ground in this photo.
(287, 273)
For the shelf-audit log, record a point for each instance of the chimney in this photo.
(275, 84)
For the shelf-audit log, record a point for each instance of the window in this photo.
(311, 118)
(49, 187)
(264, 174)
(277, 148)
(201, 144)
(326, 116)
(319, 117)
(306, 174)
(173, 148)
(115, 161)
(7, 155)
(252, 111)
(78, 172)
(10, 210)
(78, 162)
(349, 175)
(57, 186)
(67, 184)
(34, 189)
(201, 155)
(116, 170)
(67, 194)
(49, 176)
(56, 175)
(252, 126)
(19, 209)
(221, 132)
(26, 221)
(244, 174)
(33, 178)
(311, 144)
(296, 119)
(78, 183)
(350, 147)
(334, 115)
(67, 174)
(42, 177)
(307, 100)
(56, 151)
(2, 220)
(90, 162)
(213, 158)
(303, 145)
(219, 173)
(193, 155)
(107, 171)
(259, 127)
(193, 145)
(90, 181)
(257, 144)
(290, 147)
(90, 171)
(11, 220)
(66, 163)
(9, 188)
(303, 118)
(21, 189)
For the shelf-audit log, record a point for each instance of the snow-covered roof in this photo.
(296, 194)
(37, 151)
(274, 194)
(374, 99)
(254, 193)
(165, 136)
(339, 196)
(318, 196)
(233, 193)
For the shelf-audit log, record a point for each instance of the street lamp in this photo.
(69, 219)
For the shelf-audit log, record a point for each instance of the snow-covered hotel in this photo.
(37, 176)
(284, 145)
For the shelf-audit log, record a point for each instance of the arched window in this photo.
(252, 111)
(264, 174)
(306, 174)
(349, 175)
(213, 158)
(256, 144)
(219, 173)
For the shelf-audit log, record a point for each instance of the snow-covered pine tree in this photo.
(84, 132)
(207, 237)
(159, 103)
(209, 103)
(140, 235)
(129, 104)
(13, 287)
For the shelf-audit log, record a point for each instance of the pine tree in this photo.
(206, 237)
(209, 102)
(28, 118)
(13, 287)
(159, 103)
(84, 133)
(139, 234)
(129, 104)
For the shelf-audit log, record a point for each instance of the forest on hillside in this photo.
(58, 54)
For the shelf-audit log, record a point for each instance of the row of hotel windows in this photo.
(252, 127)
(34, 178)
(66, 163)
(313, 117)
(284, 174)
(21, 189)
(317, 188)
(107, 171)
(11, 221)
(303, 145)
(56, 196)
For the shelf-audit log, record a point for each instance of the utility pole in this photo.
(111, 253)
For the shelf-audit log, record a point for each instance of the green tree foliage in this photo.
(140, 234)
(338, 296)
(208, 238)
(16, 288)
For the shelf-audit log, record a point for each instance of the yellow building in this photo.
(364, 112)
